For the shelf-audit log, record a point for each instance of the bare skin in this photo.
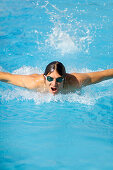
(72, 81)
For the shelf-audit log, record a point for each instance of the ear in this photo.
(44, 78)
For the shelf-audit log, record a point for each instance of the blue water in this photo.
(64, 132)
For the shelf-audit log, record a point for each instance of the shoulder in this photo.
(76, 79)
(72, 80)
(38, 77)
(35, 81)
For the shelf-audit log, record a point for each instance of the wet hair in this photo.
(55, 65)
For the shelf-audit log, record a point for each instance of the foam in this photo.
(24, 94)
(87, 97)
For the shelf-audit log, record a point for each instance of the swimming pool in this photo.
(67, 132)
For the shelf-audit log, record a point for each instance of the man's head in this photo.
(54, 73)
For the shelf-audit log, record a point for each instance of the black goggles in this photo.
(58, 80)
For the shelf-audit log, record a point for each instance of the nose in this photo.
(54, 82)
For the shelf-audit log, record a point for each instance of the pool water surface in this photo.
(67, 131)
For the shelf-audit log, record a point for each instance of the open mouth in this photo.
(54, 89)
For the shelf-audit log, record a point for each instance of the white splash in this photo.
(24, 94)
(62, 41)
(67, 35)
(25, 70)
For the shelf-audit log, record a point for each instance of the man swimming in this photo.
(55, 79)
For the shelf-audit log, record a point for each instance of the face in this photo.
(54, 86)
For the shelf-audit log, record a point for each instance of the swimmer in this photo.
(55, 79)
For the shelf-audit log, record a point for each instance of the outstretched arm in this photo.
(93, 77)
(27, 81)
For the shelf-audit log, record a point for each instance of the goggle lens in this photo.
(49, 78)
(59, 79)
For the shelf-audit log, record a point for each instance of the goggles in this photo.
(58, 80)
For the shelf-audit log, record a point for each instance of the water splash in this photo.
(26, 70)
(24, 94)
(62, 41)
(20, 94)
(67, 35)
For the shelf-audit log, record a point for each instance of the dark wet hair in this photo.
(55, 65)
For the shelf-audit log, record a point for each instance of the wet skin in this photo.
(72, 81)
(53, 86)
